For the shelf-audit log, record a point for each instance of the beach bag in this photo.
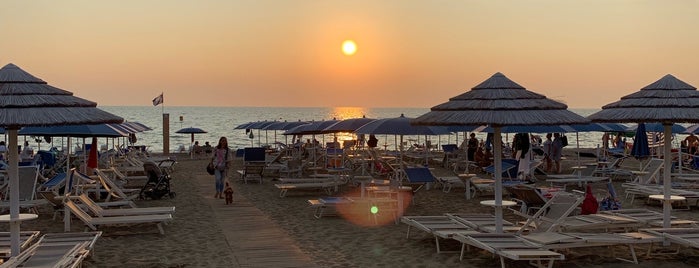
(210, 168)
(564, 141)
(609, 203)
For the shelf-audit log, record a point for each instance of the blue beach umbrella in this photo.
(658, 127)
(311, 128)
(348, 125)
(400, 126)
(533, 129)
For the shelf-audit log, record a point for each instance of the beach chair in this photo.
(528, 197)
(605, 241)
(509, 169)
(418, 177)
(113, 190)
(328, 187)
(552, 214)
(56, 250)
(327, 206)
(509, 246)
(26, 238)
(28, 176)
(100, 211)
(443, 227)
(130, 181)
(252, 171)
(93, 223)
(688, 237)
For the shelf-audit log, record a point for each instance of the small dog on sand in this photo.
(228, 191)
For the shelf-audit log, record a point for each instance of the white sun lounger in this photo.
(509, 246)
(439, 226)
(329, 186)
(93, 223)
(99, 211)
(56, 250)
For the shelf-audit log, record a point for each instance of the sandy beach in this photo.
(203, 232)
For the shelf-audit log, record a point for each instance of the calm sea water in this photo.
(221, 121)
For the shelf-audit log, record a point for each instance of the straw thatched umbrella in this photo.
(499, 102)
(29, 101)
(668, 100)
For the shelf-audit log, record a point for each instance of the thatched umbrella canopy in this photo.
(29, 101)
(497, 102)
(668, 100)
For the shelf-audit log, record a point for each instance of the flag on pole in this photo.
(158, 100)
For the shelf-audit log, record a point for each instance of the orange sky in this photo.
(288, 53)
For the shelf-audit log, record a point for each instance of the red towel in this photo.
(589, 204)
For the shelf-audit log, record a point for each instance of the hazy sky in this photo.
(288, 53)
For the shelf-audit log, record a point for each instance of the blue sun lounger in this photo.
(418, 177)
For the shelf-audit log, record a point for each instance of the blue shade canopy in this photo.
(260, 124)
(137, 126)
(101, 130)
(244, 125)
(284, 125)
(310, 128)
(600, 127)
(530, 129)
(124, 128)
(658, 127)
(193, 130)
(640, 147)
(348, 125)
(400, 126)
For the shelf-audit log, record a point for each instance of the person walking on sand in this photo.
(548, 152)
(557, 151)
(221, 159)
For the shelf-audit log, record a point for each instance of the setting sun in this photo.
(349, 47)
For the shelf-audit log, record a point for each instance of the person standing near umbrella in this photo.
(548, 152)
(472, 145)
(221, 159)
(557, 151)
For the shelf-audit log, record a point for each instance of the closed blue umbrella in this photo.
(640, 147)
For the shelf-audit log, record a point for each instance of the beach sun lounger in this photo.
(56, 250)
(99, 211)
(94, 222)
(443, 227)
(509, 246)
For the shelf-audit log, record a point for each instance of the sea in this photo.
(222, 122)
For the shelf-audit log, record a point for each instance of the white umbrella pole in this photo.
(498, 178)
(12, 159)
(667, 204)
(577, 146)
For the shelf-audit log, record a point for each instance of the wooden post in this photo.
(166, 134)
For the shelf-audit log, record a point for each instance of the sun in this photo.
(349, 47)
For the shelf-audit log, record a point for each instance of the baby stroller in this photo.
(158, 183)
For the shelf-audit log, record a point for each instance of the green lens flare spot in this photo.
(374, 209)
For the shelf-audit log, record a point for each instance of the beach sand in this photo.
(203, 232)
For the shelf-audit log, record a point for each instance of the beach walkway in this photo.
(255, 240)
